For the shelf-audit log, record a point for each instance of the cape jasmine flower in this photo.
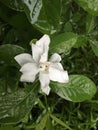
(38, 63)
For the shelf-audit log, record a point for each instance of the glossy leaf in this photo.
(91, 6)
(15, 106)
(32, 9)
(78, 89)
(38, 13)
(8, 52)
(13, 4)
(63, 42)
(94, 46)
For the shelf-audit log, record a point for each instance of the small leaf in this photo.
(63, 42)
(94, 46)
(42, 123)
(78, 89)
(8, 52)
(15, 106)
(91, 6)
(90, 23)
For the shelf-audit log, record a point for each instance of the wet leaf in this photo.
(15, 106)
(78, 89)
(38, 13)
(63, 42)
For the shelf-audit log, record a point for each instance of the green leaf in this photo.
(94, 46)
(9, 74)
(16, 19)
(49, 125)
(13, 4)
(33, 10)
(81, 40)
(38, 13)
(8, 52)
(78, 89)
(19, 21)
(63, 42)
(55, 8)
(8, 127)
(15, 106)
(91, 6)
(90, 23)
(9, 78)
(42, 123)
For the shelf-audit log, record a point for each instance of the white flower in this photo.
(37, 63)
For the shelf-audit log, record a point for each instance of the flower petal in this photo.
(27, 78)
(29, 69)
(36, 52)
(57, 65)
(23, 58)
(40, 49)
(43, 42)
(44, 57)
(44, 80)
(55, 58)
(58, 75)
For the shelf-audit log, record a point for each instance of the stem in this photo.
(46, 102)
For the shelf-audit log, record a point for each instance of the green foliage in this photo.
(42, 123)
(8, 127)
(94, 45)
(8, 52)
(78, 89)
(14, 4)
(90, 6)
(38, 13)
(63, 42)
(73, 28)
(60, 122)
(15, 106)
(90, 23)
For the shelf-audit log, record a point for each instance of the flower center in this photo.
(44, 66)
